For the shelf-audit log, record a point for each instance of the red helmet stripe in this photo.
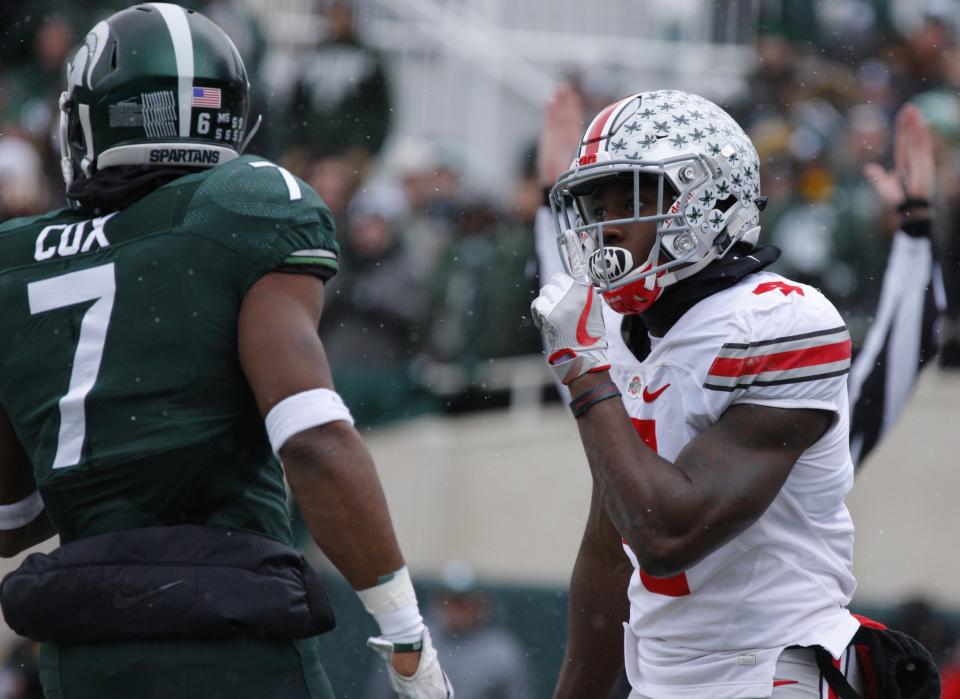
(600, 124)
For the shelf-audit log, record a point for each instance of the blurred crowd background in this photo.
(417, 120)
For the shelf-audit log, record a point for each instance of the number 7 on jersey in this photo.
(97, 284)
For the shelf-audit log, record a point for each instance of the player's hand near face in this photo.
(569, 314)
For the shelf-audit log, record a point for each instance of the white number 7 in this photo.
(293, 189)
(96, 284)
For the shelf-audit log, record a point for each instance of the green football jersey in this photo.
(118, 342)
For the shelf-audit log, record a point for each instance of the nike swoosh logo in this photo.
(583, 337)
(650, 397)
(784, 683)
(122, 601)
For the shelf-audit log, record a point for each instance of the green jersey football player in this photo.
(162, 371)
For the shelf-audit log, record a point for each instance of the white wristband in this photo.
(393, 605)
(17, 514)
(304, 410)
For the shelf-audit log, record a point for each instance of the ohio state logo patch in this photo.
(633, 388)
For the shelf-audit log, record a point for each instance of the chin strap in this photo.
(250, 134)
(739, 218)
(685, 272)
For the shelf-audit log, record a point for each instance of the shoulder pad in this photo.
(263, 211)
(252, 187)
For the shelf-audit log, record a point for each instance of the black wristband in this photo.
(913, 203)
(918, 227)
(590, 397)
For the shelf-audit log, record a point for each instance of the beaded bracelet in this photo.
(591, 397)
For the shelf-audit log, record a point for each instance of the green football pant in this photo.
(240, 668)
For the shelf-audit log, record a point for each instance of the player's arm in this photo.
(593, 657)
(23, 521)
(330, 471)
(674, 514)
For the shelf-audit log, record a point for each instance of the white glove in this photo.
(570, 316)
(428, 682)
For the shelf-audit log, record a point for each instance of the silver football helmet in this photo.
(708, 193)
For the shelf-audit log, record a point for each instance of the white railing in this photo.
(473, 75)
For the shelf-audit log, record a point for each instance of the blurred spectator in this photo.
(431, 183)
(29, 95)
(480, 299)
(923, 61)
(481, 658)
(23, 191)
(20, 674)
(342, 99)
(374, 309)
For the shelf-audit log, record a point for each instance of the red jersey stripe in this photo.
(674, 586)
(781, 361)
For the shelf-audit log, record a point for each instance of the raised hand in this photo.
(913, 177)
(560, 135)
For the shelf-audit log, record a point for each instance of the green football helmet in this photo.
(153, 85)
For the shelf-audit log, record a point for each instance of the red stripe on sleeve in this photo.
(781, 361)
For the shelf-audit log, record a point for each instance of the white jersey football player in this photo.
(720, 463)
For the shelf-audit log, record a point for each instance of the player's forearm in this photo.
(598, 607)
(653, 504)
(337, 489)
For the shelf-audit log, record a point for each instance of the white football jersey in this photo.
(716, 630)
